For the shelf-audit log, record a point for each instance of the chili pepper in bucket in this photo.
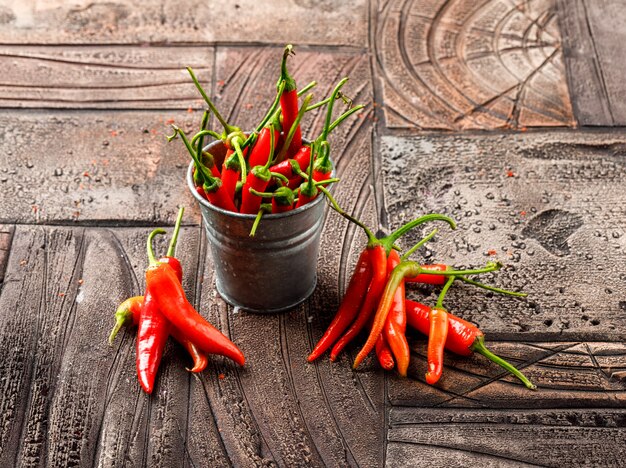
(289, 105)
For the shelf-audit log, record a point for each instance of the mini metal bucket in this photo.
(277, 268)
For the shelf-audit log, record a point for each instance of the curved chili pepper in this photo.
(383, 353)
(464, 338)
(161, 282)
(349, 306)
(289, 104)
(378, 261)
(307, 192)
(395, 325)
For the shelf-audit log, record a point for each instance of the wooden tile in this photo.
(445, 64)
(115, 168)
(166, 21)
(592, 37)
(6, 237)
(103, 77)
(538, 202)
(559, 437)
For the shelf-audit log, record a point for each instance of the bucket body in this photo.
(277, 268)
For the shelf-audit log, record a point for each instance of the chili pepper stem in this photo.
(151, 256)
(171, 250)
(491, 266)
(240, 156)
(394, 236)
(419, 244)
(333, 203)
(444, 291)
(344, 116)
(492, 288)
(479, 347)
(227, 128)
(329, 111)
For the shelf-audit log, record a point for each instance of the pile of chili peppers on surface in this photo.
(163, 311)
(272, 169)
(375, 298)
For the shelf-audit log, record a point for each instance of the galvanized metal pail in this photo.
(277, 268)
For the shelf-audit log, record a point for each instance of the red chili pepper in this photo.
(295, 182)
(262, 149)
(257, 180)
(161, 282)
(307, 192)
(378, 261)
(383, 353)
(395, 325)
(152, 334)
(129, 311)
(349, 306)
(289, 104)
(231, 170)
(464, 338)
(302, 158)
(404, 269)
(429, 279)
(436, 341)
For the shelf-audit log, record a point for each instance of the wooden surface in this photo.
(87, 93)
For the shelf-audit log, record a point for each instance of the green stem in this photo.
(419, 244)
(479, 347)
(242, 160)
(205, 122)
(344, 116)
(171, 250)
(492, 288)
(270, 156)
(151, 257)
(444, 291)
(200, 137)
(257, 220)
(268, 117)
(491, 266)
(308, 87)
(206, 175)
(370, 236)
(227, 128)
(292, 131)
(394, 236)
(280, 177)
(329, 111)
(290, 83)
(326, 182)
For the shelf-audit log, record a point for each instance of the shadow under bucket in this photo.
(277, 268)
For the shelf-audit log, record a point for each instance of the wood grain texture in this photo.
(556, 437)
(114, 168)
(460, 64)
(592, 34)
(6, 237)
(169, 21)
(538, 202)
(102, 77)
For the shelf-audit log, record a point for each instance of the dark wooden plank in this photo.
(101, 77)
(540, 204)
(585, 75)
(569, 375)
(460, 64)
(165, 21)
(6, 237)
(555, 437)
(91, 167)
(69, 398)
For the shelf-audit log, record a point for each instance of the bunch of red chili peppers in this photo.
(271, 170)
(163, 311)
(375, 298)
